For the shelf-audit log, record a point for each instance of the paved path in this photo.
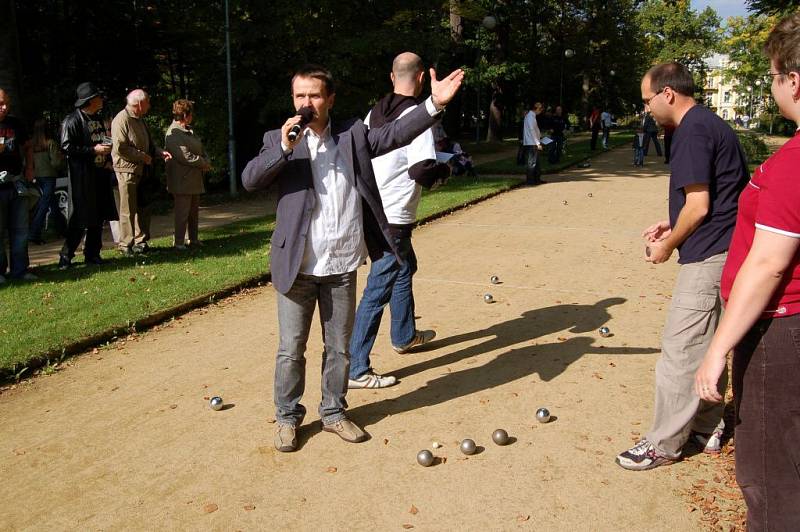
(124, 439)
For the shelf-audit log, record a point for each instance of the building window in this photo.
(727, 97)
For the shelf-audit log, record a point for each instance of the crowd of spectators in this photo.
(111, 179)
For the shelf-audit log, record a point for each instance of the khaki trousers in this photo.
(691, 323)
(187, 207)
(134, 221)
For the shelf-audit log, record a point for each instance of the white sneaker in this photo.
(420, 338)
(371, 380)
(709, 443)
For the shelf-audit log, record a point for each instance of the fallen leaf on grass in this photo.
(210, 508)
(331, 470)
(413, 510)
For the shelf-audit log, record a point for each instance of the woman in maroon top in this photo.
(761, 323)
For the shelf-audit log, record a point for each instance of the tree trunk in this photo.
(10, 72)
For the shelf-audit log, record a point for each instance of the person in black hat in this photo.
(88, 147)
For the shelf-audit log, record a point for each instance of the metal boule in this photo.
(468, 446)
(216, 403)
(543, 415)
(425, 458)
(500, 437)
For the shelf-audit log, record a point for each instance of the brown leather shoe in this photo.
(286, 438)
(347, 430)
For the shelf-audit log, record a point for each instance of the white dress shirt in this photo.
(531, 135)
(335, 242)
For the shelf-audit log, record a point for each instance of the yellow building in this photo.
(721, 96)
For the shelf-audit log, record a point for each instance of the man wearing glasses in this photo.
(708, 170)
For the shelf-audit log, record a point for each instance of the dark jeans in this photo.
(75, 232)
(638, 156)
(766, 394)
(14, 225)
(606, 133)
(48, 201)
(554, 155)
(336, 297)
(533, 170)
(389, 282)
(593, 142)
(651, 135)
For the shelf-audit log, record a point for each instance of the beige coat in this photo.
(131, 142)
(185, 169)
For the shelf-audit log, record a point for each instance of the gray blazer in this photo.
(357, 146)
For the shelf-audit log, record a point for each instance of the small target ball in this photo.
(436, 445)
(216, 403)
(487, 298)
(605, 332)
(425, 458)
(468, 446)
(495, 279)
(500, 437)
(543, 415)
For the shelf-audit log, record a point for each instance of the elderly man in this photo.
(14, 142)
(329, 215)
(132, 154)
(708, 171)
(85, 141)
(400, 175)
(532, 145)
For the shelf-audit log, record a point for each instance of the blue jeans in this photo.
(48, 201)
(14, 223)
(638, 156)
(389, 282)
(336, 296)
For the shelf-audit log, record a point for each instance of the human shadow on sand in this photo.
(548, 360)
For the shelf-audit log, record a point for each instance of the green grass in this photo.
(577, 150)
(41, 318)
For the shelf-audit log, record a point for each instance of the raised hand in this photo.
(443, 91)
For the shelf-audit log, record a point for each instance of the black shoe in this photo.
(64, 263)
(96, 260)
(141, 248)
(126, 252)
(36, 240)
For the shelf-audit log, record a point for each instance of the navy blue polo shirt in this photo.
(706, 151)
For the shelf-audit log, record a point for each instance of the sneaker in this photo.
(709, 443)
(97, 261)
(420, 338)
(642, 456)
(126, 252)
(371, 380)
(196, 244)
(64, 263)
(180, 247)
(28, 276)
(286, 438)
(36, 240)
(347, 430)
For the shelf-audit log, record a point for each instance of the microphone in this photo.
(306, 115)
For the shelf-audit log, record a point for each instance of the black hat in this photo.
(85, 92)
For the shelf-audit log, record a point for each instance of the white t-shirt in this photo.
(531, 136)
(399, 193)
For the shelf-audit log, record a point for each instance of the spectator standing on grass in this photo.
(708, 171)
(185, 172)
(133, 155)
(14, 144)
(558, 124)
(400, 175)
(650, 133)
(606, 121)
(85, 140)
(329, 216)
(761, 287)
(532, 146)
(47, 164)
(594, 126)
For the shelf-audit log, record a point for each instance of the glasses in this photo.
(646, 101)
(773, 74)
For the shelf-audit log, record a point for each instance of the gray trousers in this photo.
(187, 208)
(691, 323)
(336, 297)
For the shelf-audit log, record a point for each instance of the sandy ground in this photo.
(124, 438)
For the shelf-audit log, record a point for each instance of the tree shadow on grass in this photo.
(548, 360)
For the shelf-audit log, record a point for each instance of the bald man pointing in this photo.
(132, 154)
(400, 175)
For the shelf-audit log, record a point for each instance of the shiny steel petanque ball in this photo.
(495, 279)
(605, 332)
(500, 437)
(425, 458)
(216, 403)
(543, 415)
(487, 298)
(468, 446)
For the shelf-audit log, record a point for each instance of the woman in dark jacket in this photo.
(85, 141)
